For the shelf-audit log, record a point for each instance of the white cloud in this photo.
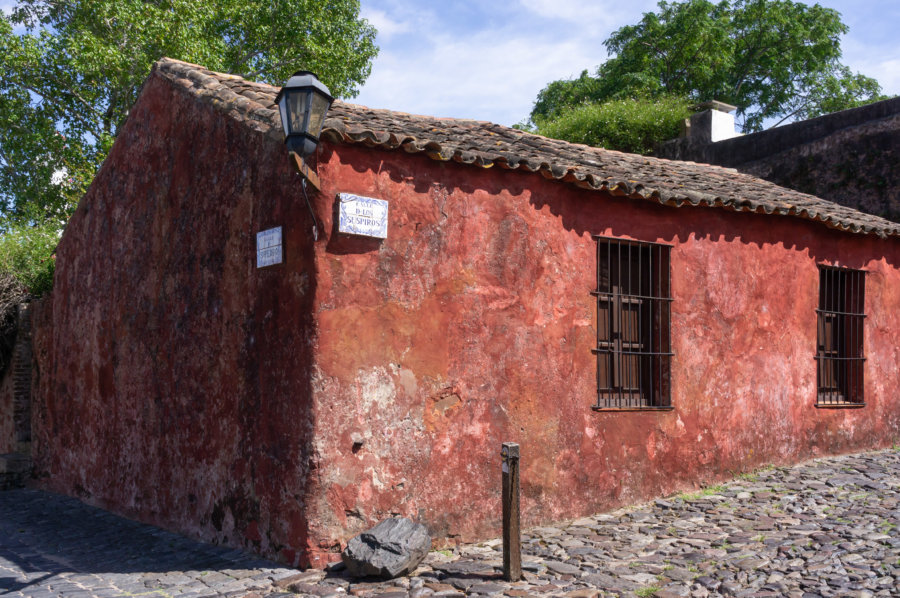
(386, 26)
(607, 14)
(472, 77)
(486, 65)
(887, 72)
(488, 61)
(878, 60)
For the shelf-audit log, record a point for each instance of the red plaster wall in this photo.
(174, 377)
(473, 323)
(285, 409)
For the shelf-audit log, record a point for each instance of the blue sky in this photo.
(487, 60)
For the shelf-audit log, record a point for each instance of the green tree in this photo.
(71, 69)
(770, 58)
(628, 125)
(560, 95)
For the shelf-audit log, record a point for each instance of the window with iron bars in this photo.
(839, 337)
(633, 313)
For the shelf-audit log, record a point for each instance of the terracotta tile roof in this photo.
(485, 144)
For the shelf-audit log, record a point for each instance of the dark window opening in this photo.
(839, 342)
(633, 312)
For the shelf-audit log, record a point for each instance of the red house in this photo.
(639, 326)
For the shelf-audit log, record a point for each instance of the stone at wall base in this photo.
(15, 468)
(392, 548)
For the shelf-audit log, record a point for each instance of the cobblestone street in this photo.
(824, 528)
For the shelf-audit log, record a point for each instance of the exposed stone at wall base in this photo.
(15, 470)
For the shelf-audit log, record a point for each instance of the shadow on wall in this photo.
(637, 218)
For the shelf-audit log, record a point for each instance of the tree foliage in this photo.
(770, 58)
(628, 125)
(26, 270)
(26, 255)
(73, 68)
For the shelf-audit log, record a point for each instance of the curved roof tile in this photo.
(485, 144)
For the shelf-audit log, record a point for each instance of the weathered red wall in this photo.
(175, 376)
(473, 324)
(285, 409)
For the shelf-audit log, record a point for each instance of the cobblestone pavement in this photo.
(824, 528)
(52, 545)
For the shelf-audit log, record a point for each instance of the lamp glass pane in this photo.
(317, 114)
(297, 106)
(282, 111)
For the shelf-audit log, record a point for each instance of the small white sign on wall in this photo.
(268, 247)
(363, 216)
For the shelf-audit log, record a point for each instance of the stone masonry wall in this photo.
(8, 440)
(848, 157)
(15, 391)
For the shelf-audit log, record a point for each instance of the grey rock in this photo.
(487, 588)
(562, 568)
(392, 548)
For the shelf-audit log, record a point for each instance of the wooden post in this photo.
(512, 541)
(306, 172)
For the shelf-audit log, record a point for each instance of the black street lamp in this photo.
(303, 102)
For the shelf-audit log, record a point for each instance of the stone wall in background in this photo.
(15, 391)
(848, 157)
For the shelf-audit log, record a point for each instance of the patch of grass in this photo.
(708, 491)
(446, 553)
(647, 591)
(759, 538)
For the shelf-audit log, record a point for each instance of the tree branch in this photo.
(87, 124)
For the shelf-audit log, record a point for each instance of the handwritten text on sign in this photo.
(268, 247)
(363, 216)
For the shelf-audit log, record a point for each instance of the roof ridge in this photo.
(485, 144)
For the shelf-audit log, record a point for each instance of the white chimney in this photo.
(714, 122)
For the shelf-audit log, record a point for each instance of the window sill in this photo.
(840, 405)
(621, 409)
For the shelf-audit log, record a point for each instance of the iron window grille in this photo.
(633, 314)
(839, 337)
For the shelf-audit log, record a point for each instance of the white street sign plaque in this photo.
(268, 247)
(363, 216)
